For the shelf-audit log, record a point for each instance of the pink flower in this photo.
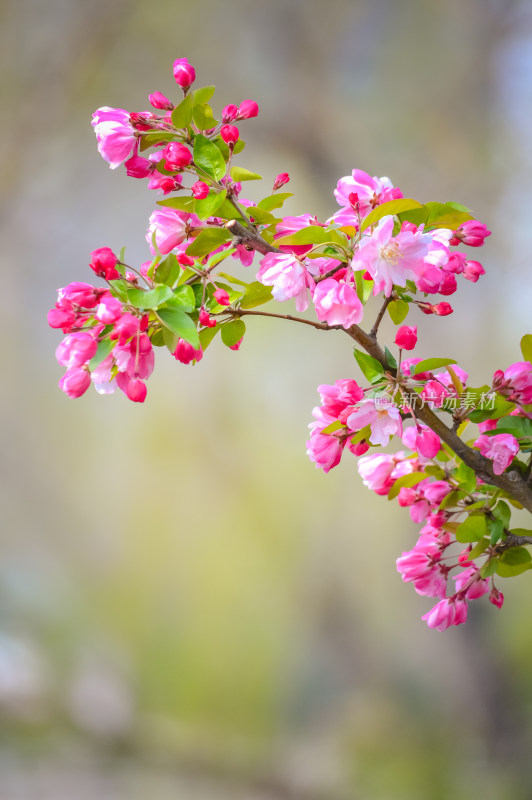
(184, 73)
(138, 167)
(471, 232)
(75, 382)
(287, 276)
(434, 393)
(519, 378)
(370, 192)
(384, 422)
(248, 109)
(446, 613)
(442, 309)
(229, 113)
(501, 449)
(221, 297)
(236, 345)
(470, 584)
(176, 156)
(114, 133)
(280, 180)
(376, 472)
(496, 597)
(158, 100)
(103, 263)
(76, 349)
(134, 388)
(391, 259)
(324, 450)
(109, 309)
(435, 491)
(406, 337)
(427, 444)
(200, 190)
(289, 225)
(335, 399)
(170, 228)
(125, 327)
(337, 303)
(473, 270)
(230, 134)
(186, 353)
(79, 294)
(205, 319)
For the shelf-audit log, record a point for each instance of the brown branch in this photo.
(250, 238)
(381, 313)
(242, 312)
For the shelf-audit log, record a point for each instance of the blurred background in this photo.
(188, 608)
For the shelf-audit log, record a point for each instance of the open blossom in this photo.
(370, 192)
(337, 398)
(501, 449)
(376, 471)
(76, 349)
(391, 259)
(337, 303)
(447, 612)
(115, 135)
(325, 450)
(384, 422)
(519, 378)
(170, 228)
(287, 276)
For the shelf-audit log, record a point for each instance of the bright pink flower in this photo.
(456, 263)
(435, 491)
(391, 259)
(289, 225)
(221, 297)
(384, 422)
(496, 597)
(421, 567)
(184, 73)
(335, 399)
(442, 309)
(103, 262)
(159, 100)
(200, 190)
(135, 390)
(446, 613)
(236, 345)
(109, 309)
(229, 113)
(473, 270)
(324, 450)
(434, 394)
(170, 228)
(244, 255)
(471, 232)
(427, 443)
(519, 378)
(186, 353)
(448, 284)
(75, 381)
(176, 156)
(124, 328)
(281, 180)
(138, 167)
(114, 133)
(79, 294)
(230, 134)
(406, 337)
(501, 449)
(61, 318)
(248, 109)
(76, 349)
(205, 319)
(487, 425)
(370, 192)
(102, 376)
(470, 584)
(287, 277)
(337, 303)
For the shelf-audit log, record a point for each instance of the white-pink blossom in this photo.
(384, 422)
(288, 278)
(501, 449)
(114, 133)
(337, 303)
(370, 192)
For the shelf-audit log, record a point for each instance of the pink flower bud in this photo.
(471, 232)
(76, 349)
(138, 167)
(248, 109)
(136, 390)
(428, 444)
(158, 100)
(75, 382)
(109, 310)
(176, 156)
(200, 190)
(184, 73)
(61, 318)
(221, 297)
(103, 262)
(473, 270)
(281, 180)
(140, 120)
(125, 327)
(205, 319)
(229, 114)
(185, 353)
(354, 201)
(447, 284)
(442, 309)
(236, 345)
(406, 337)
(456, 263)
(230, 134)
(184, 260)
(496, 597)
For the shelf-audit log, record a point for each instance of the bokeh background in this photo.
(188, 608)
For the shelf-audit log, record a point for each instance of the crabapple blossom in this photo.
(169, 226)
(247, 109)
(406, 337)
(384, 423)
(184, 73)
(288, 278)
(115, 135)
(370, 192)
(186, 353)
(75, 382)
(470, 232)
(230, 134)
(103, 262)
(337, 303)
(281, 180)
(501, 449)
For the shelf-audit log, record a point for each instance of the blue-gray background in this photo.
(187, 607)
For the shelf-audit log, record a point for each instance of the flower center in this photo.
(391, 253)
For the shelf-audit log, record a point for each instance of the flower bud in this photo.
(176, 156)
(229, 114)
(230, 134)
(236, 345)
(442, 309)
(75, 382)
(473, 270)
(427, 444)
(184, 73)
(496, 597)
(103, 262)
(471, 232)
(136, 390)
(221, 297)
(247, 109)
(406, 337)
(205, 319)
(185, 352)
(109, 309)
(281, 180)
(138, 167)
(200, 190)
(158, 100)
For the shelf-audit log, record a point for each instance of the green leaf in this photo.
(170, 339)
(501, 408)
(371, 368)
(393, 207)
(479, 548)
(430, 364)
(514, 561)
(466, 477)
(445, 215)
(182, 114)
(151, 139)
(183, 298)
(489, 568)
(241, 174)
(521, 532)
(228, 211)
(208, 240)
(472, 530)
(202, 95)
(104, 348)
(398, 310)
(520, 427)
(206, 335)
(390, 359)
(152, 298)
(208, 157)
(364, 288)
(409, 480)
(434, 471)
(274, 201)
(224, 150)
(232, 331)
(210, 204)
(503, 512)
(178, 322)
(167, 271)
(332, 428)
(314, 234)
(363, 433)
(495, 530)
(203, 117)
(119, 289)
(260, 216)
(181, 203)
(526, 347)
(256, 295)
